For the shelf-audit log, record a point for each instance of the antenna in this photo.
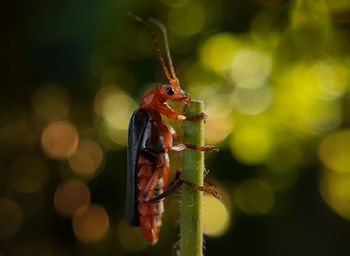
(165, 36)
(172, 78)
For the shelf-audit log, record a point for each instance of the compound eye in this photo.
(169, 91)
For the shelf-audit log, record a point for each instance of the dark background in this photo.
(274, 76)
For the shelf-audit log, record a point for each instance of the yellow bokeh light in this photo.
(70, 196)
(323, 80)
(220, 121)
(103, 95)
(188, 19)
(30, 174)
(118, 136)
(253, 101)
(116, 108)
(216, 218)
(331, 77)
(131, 238)
(251, 68)
(60, 140)
(218, 52)
(295, 99)
(335, 190)
(205, 91)
(51, 102)
(334, 151)
(218, 129)
(91, 223)
(87, 159)
(219, 106)
(11, 216)
(254, 196)
(252, 143)
(323, 116)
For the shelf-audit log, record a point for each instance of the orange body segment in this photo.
(150, 213)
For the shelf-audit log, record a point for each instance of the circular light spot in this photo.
(116, 108)
(334, 151)
(335, 190)
(253, 101)
(220, 122)
(87, 159)
(331, 79)
(10, 217)
(187, 20)
(131, 238)
(254, 196)
(219, 106)
(218, 52)
(118, 136)
(322, 116)
(250, 68)
(252, 144)
(70, 196)
(295, 100)
(59, 140)
(103, 95)
(30, 174)
(90, 223)
(215, 217)
(324, 80)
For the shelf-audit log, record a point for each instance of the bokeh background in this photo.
(274, 76)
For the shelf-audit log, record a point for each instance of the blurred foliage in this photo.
(274, 76)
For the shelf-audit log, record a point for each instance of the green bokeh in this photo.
(274, 75)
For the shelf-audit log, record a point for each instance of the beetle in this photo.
(149, 139)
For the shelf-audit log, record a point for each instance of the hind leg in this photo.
(177, 183)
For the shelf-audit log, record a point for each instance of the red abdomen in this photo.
(150, 214)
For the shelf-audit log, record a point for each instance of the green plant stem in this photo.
(192, 200)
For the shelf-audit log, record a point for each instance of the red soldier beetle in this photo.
(149, 139)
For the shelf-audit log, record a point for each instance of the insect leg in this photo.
(172, 132)
(176, 184)
(202, 188)
(201, 115)
(180, 147)
(177, 176)
(169, 134)
(177, 136)
(209, 183)
(146, 194)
